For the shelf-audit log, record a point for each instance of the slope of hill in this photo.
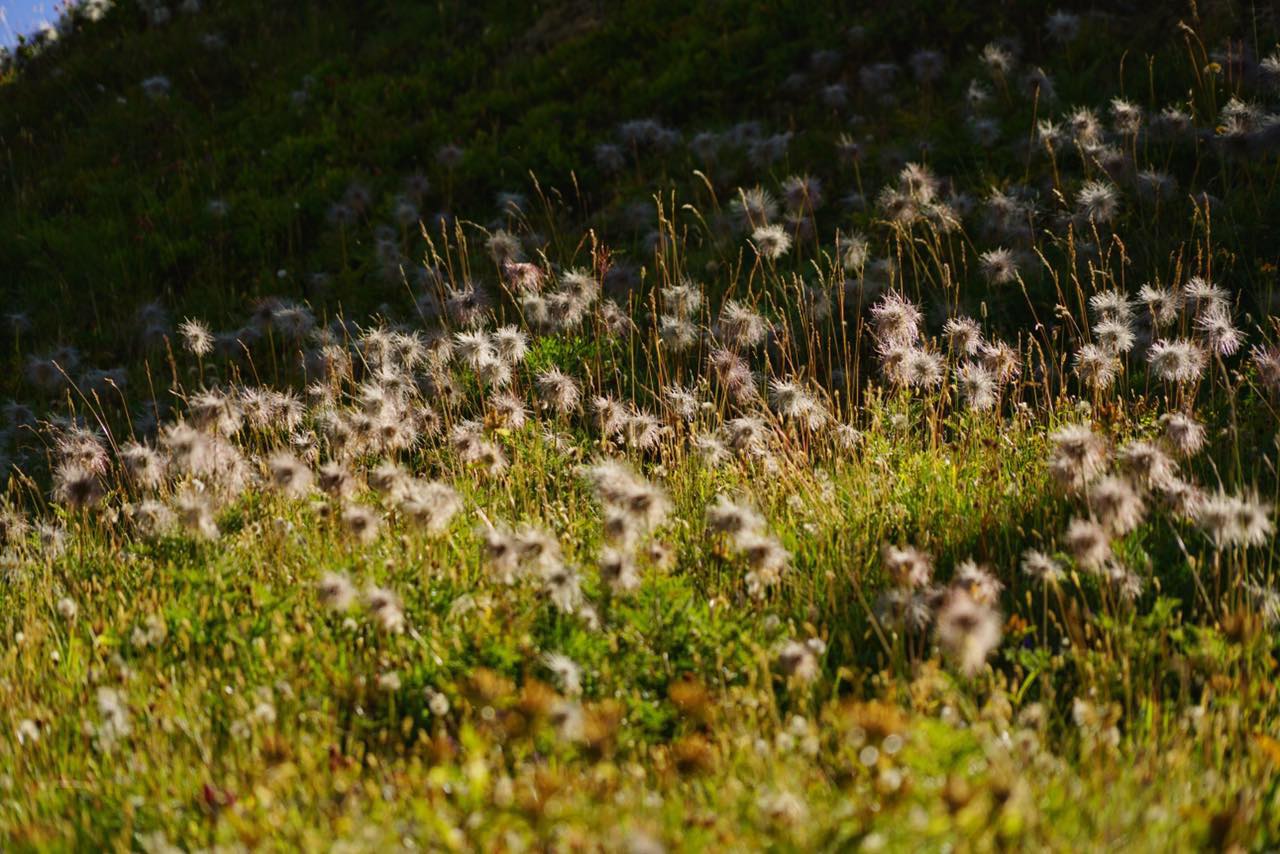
(640, 425)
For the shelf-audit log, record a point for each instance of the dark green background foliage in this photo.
(104, 200)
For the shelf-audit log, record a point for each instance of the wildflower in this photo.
(877, 77)
(150, 633)
(642, 431)
(52, 536)
(771, 241)
(754, 208)
(733, 375)
(336, 592)
(1097, 202)
(977, 386)
(501, 554)
(1266, 603)
(1126, 116)
(904, 609)
(978, 582)
(1088, 543)
(360, 522)
(847, 436)
(1112, 306)
(766, 560)
(765, 151)
(67, 608)
(563, 587)
(334, 479)
(1116, 505)
(854, 252)
(926, 65)
(983, 131)
(1042, 568)
(467, 440)
(1204, 294)
(290, 475)
(640, 504)
(1155, 185)
(14, 527)
(1114, 336)
(997, 58)
(618, 570)
(677, 333)
(473, 348)
(216, 412)
(1097, 367)
(1217, 331)
(524, 277)
(385, 607)
(1062, 27)
(1177, 361)
(194, 510)
(196, 337)
(388, 477)
(964, 336)
(783, 807)
(967, 631)
(681, 300)
(558, 391)
(1171, 122)
(1266, 360)
(438, 703)
(799, 660)
(1184, 434)
(1145, 465)
(494, 373)
(151, 518)
(265, 410)
(156, 87)
(429, 505)
(999, 266)
(293, 322)
(897, 320)
(581, 285)
(609, 157)
(566, 672)
(510, 344)
(908, 567)
(792, 401)
(75, 487)
(1127, 583)
(1086, 131)
(1162, 304)
(1235, 520)
(732, 518)
(50, 374)
(466, 306)
(27, 732)
(116, 723)
(450, 156)
(1049, 134)
(802, 193)
(81, 448)
(921, 369)
(611, 416)
(1003, 361)
(740, 328)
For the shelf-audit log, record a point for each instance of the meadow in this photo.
(641, 426)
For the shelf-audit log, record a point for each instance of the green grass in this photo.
(163, 688)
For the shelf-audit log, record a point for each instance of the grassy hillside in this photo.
(640, 426)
